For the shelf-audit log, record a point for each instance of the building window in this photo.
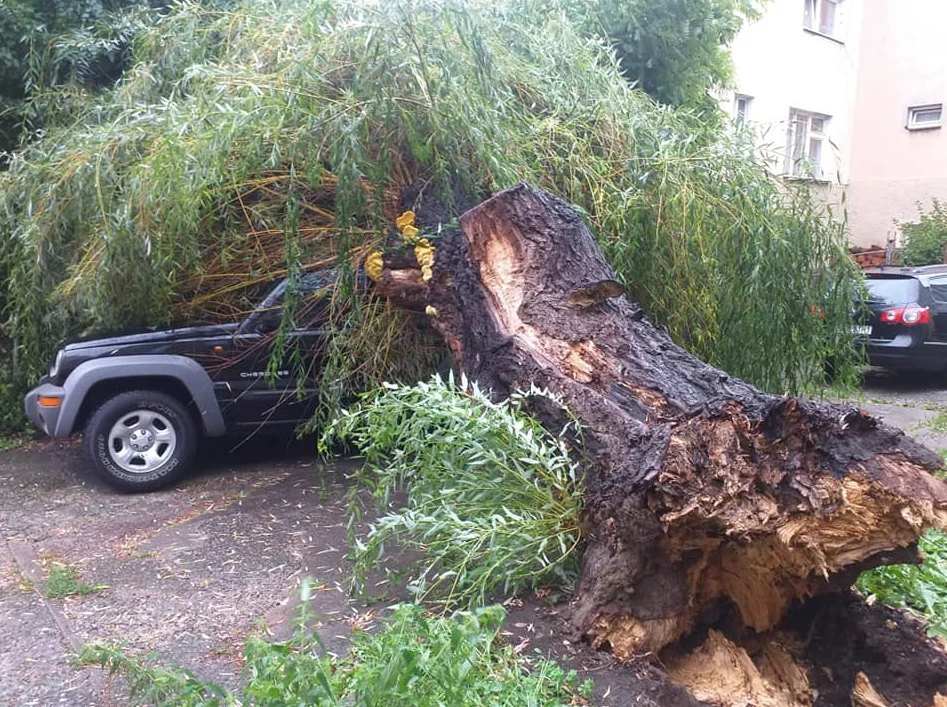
(805, 139)
(741, 109)
(925, 117)
(823, 16)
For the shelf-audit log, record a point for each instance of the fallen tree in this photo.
(709, 504)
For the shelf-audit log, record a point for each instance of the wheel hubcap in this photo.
(141, 441)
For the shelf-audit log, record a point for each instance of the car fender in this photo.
(186, 370)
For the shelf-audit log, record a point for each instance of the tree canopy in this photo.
(674, 50)
(45, 43)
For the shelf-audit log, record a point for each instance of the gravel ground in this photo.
(916, 403)
(186, 573)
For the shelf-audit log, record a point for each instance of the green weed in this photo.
(924, 239)
(64, 581)
(421, 661)
(922, 588)
(938, 423)
(493, 499)
(415, 660)
(8, 442)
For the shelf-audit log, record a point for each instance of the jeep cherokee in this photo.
(142, 401)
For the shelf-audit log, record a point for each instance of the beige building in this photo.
(899, 147)
(849, 95)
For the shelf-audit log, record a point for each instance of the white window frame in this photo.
(741, 118)
(802, 134)
(813, 17)
(912, 122)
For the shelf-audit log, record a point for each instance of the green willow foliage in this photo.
(493, 499)
(32, 55)
(413, 660)
(922, 588)
(133, 190)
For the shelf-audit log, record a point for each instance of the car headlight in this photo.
(54, 369)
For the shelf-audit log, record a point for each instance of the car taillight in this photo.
(916, 315)
(906, 315)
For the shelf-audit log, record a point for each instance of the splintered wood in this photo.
(722, 673)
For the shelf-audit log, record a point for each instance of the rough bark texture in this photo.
(705, 497)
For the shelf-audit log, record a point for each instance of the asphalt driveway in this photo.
(186, 572)
(916, 403)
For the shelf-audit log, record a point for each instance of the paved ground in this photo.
(915, 403)
(189, 572)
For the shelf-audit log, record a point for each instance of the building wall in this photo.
(783, 66)
(892, 168)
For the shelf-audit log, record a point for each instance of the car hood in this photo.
(149, 336)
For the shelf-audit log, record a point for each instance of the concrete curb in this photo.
(29, 565)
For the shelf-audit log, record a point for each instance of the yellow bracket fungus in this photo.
(410, 234)
(423, 250)
(424, 253)
(373, 265)
(406, 219)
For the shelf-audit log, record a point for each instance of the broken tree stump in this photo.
(706, 498)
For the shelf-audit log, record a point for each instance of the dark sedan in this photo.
(905, 319)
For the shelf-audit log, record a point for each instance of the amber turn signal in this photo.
(49, 402)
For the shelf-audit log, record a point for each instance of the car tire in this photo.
(141, 440)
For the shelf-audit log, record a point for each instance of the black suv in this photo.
(143, 400)
(905, 323)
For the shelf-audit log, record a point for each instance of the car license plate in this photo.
(862, 329)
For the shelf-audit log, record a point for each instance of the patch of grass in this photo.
(922, 588)
(64, 581)
(415, 660)
(938, 423)
(493, 499)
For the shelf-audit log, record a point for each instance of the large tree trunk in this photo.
(708, 502)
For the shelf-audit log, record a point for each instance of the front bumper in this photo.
(45, 417)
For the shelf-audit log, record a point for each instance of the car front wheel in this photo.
(142, 440)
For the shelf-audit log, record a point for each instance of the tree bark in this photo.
(705, 498)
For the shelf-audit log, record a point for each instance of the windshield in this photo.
(892, 290)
